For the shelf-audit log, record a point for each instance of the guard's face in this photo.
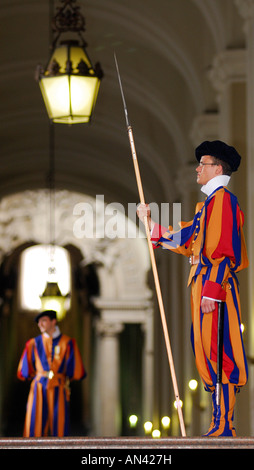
(46, 325)
(207, 169)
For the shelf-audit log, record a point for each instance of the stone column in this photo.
(114, 314)
(108, 418)
(228, 70)
(246, 9)
(148, 366)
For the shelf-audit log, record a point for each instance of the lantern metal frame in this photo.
(69, 82)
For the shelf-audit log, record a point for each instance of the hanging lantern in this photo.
(69, 83)
(52, 299)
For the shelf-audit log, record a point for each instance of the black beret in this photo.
(46, 313)
(219, 149)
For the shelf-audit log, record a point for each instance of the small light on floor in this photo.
(193, 384)
(133, 419)
(165, 421)
(176, 404)
(156, 433)
(148, 426)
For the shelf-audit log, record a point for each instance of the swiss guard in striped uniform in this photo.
(215, 245)
(51, 361)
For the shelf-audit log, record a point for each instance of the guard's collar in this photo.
(214, 183)
(56, 333)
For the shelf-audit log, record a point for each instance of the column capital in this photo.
(104, 328)
(123, 310)
(246, 10)
(228, 66)
(204, 127)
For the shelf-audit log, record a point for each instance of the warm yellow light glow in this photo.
(35, 263)
(57, 303)
(133, 419)
(83, 90)
(178, 403)
(156, 433)
(69, 98)
(193, 384)
(69, 50)
(165, 421)
(242, 327)
(148, 426)
(70, 92)
(56, 95)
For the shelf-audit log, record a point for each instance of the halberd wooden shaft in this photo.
(154, 266)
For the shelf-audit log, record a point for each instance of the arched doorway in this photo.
(109, 281)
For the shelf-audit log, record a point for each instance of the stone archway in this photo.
(122, 264)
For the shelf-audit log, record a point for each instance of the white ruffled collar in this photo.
(214, 183)
(56, 333)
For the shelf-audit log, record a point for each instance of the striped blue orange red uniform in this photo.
(51, 363)
(215, 238)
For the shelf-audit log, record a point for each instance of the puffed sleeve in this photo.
(74, 367)
(26, 367)
(178, 241)
(224, 249)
